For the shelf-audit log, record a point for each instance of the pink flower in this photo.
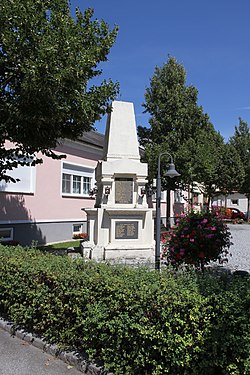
(204, 221)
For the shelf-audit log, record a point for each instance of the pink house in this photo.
(45, 205)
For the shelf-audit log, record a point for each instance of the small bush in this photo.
(197, 239)
(136, 321)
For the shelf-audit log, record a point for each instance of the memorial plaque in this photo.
(126, 230)
(124, 190)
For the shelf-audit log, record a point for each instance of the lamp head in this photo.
(172, 172)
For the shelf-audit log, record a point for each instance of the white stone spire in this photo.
(121, 136)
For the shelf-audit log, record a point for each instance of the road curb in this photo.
(71, 358)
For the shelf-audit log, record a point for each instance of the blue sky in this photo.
(211, 39)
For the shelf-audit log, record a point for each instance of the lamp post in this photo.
(171, 172)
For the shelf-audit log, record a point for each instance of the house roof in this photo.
(97, 139)
(93, 138)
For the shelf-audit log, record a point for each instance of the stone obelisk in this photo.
(121, 224)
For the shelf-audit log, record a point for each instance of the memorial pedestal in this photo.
(120, 234)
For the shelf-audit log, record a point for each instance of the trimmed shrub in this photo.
(136, 321)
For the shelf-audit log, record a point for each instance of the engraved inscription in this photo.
(119, 230)
(131, 230)
(124, 190)
(126, 230)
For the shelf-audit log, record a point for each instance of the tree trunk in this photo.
(168, 210)
(208, 202)
(225, 201)
(192, 197)
(189, 199)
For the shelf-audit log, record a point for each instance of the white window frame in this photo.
(6, 238)
(27, 176)
(163, 196)
(177, 197)
(79, 231)
(80, 171)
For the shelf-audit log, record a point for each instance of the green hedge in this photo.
(135, 320)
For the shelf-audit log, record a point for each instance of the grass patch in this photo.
(60, 246)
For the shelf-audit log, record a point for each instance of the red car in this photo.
(237, 214)
(230, 213)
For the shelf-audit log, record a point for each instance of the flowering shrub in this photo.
(81, 236)
(197, 239)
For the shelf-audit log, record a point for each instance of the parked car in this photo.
(236, 214)
(230, 213)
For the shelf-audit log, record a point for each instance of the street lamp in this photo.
(171, 172)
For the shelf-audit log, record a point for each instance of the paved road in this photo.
(20, 358)
(240, 250)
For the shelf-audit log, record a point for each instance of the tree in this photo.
(175, 122)
(47, 60)
(241, 141)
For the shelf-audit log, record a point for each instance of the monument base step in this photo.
(123, 253)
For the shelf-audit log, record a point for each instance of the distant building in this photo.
(233, 200)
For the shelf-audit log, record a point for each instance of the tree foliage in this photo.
(211, 162)
(241, 141)
(47, 60)
(231, 171)
(179, 125)
(175, 114)
(199, 158)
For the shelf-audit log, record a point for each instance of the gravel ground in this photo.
(240, 250)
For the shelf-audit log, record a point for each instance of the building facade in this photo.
(46, 205)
